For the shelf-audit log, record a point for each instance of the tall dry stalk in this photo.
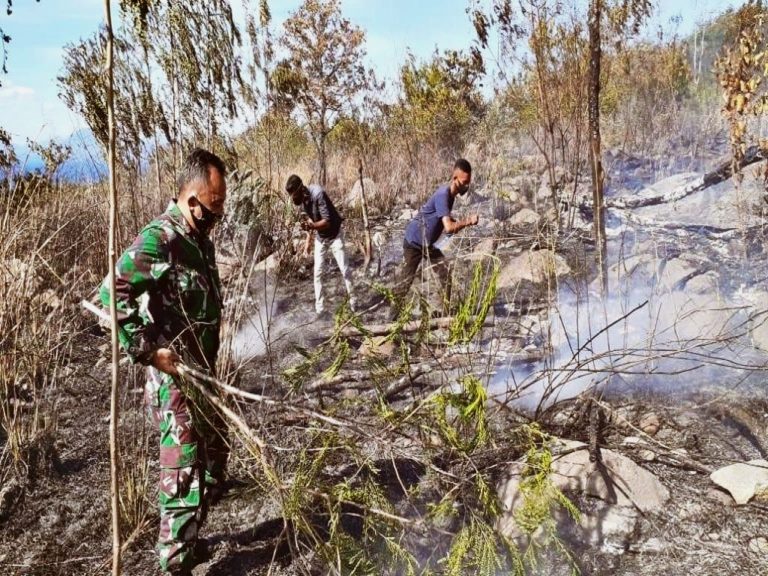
(366, 223)
(113, 403)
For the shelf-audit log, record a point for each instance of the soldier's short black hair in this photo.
(293, 184)
(463, 165)
(197, 167)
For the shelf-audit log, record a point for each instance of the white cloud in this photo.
(12, 91)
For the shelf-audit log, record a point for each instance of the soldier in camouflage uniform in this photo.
(169, 309)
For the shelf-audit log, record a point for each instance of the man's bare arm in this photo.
(452, 226)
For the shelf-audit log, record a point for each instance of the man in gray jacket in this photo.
(321, 220)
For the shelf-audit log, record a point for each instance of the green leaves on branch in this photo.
(473, 310)
(461, 418)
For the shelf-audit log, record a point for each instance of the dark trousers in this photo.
(412, 258)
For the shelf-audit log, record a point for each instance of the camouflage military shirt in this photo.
(168, 292)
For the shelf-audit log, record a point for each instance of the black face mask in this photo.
(207, 221)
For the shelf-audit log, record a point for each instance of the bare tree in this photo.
(323, 73)
(595, 151)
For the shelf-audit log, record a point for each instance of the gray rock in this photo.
(624, 488)
(650, 546)
(537, 267)
(728, 205)
(525, 217)
(707, 283)
(719, 496)
(649, 423)
(676, 272)
(269, 264)
(646, 455)
(483, 249)
(759, 318)
(759, 545)
(353, 197)
(742, 480)
(629, 273)
(407, 215)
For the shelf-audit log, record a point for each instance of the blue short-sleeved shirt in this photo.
(426, 227)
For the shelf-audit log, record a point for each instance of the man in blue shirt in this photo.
(321, 220)
(425, 229)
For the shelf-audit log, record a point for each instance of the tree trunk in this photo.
(322, 160)
(366, 224)
(595, 152)
(113, 404)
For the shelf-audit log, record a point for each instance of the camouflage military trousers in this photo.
(193, 457)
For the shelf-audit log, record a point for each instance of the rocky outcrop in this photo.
(619, 490)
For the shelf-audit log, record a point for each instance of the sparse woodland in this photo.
(613, 294)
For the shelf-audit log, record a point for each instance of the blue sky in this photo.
(29, 103)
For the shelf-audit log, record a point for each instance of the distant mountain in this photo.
(86, 164)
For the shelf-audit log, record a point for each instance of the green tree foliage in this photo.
(177, 71)
(543, 65)
(440, 98)
(644, 89)
(543, 68)
(323, 72)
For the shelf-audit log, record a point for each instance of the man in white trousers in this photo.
(321, 220)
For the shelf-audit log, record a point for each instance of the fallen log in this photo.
(644, 198)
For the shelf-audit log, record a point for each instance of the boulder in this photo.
(630, 273)
(758, 319)
(525, 217)
(678, 271)
(544, 193)
(483, 249)
(269, 264)
(759, 546)
(536, 267)
(407, 215)
(519, 188)
(352, 199)
(707, 283)
(649, 423)
(510, 196)
(504, 209)
(623, 489)
(743, 480)
(534, 163)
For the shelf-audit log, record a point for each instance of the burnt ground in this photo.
(55, 520)
(59, 523)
